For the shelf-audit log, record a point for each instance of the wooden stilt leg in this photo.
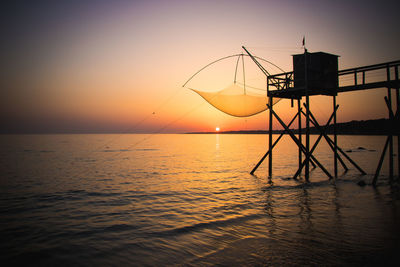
(397, 121)
(335, 155)
(299, 129)
(378, 169)
(270, 138)
(276, 141)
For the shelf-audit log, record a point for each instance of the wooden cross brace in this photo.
(299, 144)
(275, 143)
(331, 143)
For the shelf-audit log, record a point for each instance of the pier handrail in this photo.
(285, 80)
(369, 68)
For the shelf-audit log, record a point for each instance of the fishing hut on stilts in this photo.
(317, 74)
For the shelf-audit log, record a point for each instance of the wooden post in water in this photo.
(299, 127)
(307, 170)
(378, 169)
(270, 139)
(397, 121)
(391, 120)
(335, 157)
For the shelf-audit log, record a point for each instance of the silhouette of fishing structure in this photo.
(313, 74)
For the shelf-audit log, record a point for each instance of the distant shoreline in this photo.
(367, 127)
(363, 127)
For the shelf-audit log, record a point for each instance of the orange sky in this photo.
(106, 66)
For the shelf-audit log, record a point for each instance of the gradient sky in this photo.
(106, 66)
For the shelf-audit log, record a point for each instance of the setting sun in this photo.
(217, 129)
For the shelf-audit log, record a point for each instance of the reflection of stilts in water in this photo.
(338, 215)
(269, 209)
(337, 222)
(394, 194)
(305, 210)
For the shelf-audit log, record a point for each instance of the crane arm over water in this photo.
(257, 63)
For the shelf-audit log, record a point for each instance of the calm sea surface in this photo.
(156, 200)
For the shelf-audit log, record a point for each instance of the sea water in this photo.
(165, 199)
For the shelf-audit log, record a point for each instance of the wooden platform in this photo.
(282, 85)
